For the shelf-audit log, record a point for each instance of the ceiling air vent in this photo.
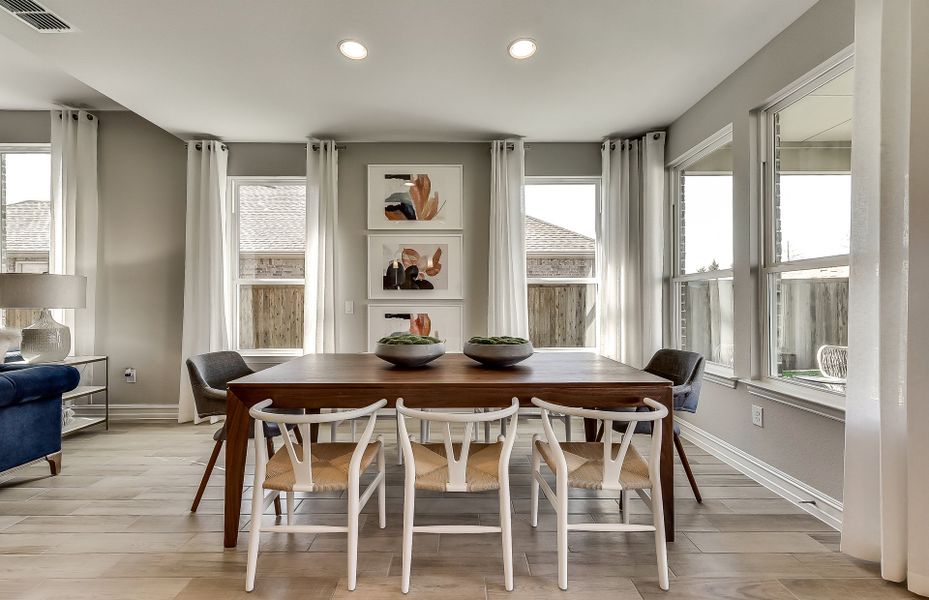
(35, 15)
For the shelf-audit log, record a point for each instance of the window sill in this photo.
(824, 404)
(720, 377)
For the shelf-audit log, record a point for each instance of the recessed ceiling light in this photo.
(522, 48)
(353, 49)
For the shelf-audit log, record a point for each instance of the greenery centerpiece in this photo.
(498, 350)
(409, 350)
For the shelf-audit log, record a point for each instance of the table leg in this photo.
(590, 430)
(667, 464)
(236, 452)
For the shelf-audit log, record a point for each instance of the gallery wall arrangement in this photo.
(406, 264)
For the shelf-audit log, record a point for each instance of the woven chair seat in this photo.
(330, 466)
(585, 465)
(482, 473)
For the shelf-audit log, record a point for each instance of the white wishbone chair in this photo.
(464, 466)
(600, 466)
(315, 467)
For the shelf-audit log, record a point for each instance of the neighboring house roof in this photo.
(272, 219)
(28, 226)
(545, 237)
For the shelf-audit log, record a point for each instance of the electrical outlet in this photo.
(129, 374)
(349, 307)
(757, 416)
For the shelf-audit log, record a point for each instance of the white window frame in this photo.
(24, 149)
(678, 276)
(595, 281)
(234, 183)
(771, 263)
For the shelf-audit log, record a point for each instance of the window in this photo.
(807, 220)
(25, 219)
(702, 281)
(270, 241)
(561, 269)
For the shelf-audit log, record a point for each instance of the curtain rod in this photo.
(655, 136)
(74, 116)
(315, 147)
(199, 146)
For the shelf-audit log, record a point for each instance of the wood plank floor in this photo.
(115, 524)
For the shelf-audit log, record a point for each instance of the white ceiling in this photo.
(29, 83)
(437, 69)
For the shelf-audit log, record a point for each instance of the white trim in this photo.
(728, 381)
(805, 397)
(702, 149)
(824, 507)
(130, 412)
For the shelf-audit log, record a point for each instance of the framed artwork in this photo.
(410, 265)
(440, 321)
(414, 197)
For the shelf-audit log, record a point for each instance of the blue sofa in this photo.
(30, 413)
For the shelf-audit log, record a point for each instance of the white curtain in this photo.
(507, 302)
(207, 271)
(630, 248)
(887, 413)
(322, 220)
(74, 214)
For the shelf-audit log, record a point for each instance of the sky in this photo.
(572, 206)
(27, 177)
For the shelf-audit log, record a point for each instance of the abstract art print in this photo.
(412, 265)
(414, 197)
(443, 322)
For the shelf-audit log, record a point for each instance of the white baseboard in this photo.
(130, 412)
(822, 506)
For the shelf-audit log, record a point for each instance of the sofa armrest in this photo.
(21, 385)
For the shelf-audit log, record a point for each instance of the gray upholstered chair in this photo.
(685, 370)
(209, 375)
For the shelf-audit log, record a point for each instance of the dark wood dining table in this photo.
(318, 381)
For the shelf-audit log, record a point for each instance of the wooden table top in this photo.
(547, 374)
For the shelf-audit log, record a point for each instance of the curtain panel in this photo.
(322, 221)
(631, 248)
(74, 214)
(507, 301)
(887, 413)
(208, 324)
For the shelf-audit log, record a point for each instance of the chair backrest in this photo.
(209, 374)
(685, 370)
(612, 462)
(303, 463)
(833, 361)
(457, 465)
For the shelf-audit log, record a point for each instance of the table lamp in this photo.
(46, 340)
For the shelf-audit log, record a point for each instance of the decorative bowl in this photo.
(410, 355)
(498, 355)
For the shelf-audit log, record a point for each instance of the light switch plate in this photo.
(349, 307)
(757, 416)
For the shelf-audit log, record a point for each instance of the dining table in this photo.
(336, 381)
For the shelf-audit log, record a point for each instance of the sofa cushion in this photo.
(28, 384)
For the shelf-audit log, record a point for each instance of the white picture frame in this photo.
(445, 322)
(437, 204)
(398, 251)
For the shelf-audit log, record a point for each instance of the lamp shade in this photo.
(34, 290)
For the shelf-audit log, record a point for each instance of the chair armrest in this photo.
(214, 394)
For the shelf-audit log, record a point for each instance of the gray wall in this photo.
(140, 277)
(805, 445)
(555, 159)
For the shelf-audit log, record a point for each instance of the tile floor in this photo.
(115, 525)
